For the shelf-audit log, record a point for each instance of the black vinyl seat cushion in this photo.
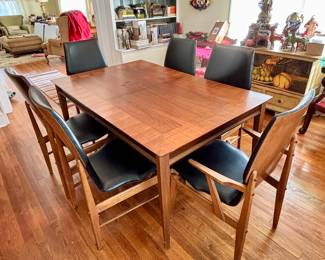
(86, 128)
(117, 164)
(221, 157)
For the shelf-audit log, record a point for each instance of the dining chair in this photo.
(231, 65)
(181, 55)
(317, 105)
(226, 175)
(83, 56)
(111, 168)
(86, 129)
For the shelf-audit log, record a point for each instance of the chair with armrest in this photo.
(224, 174)
(83, 56)
(85, 128)
(317, 105)
(12, 25)
(111, 168)
(181, 55)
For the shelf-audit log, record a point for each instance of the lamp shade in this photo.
(43, 1)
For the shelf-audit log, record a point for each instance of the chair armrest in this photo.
(4, 30)
(252, 132)
(218, 177)
(25, 27)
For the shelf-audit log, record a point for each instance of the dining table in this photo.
(162, 113)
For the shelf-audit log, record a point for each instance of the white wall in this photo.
(203, 21)
(31, 7)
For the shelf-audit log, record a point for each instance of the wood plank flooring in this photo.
(36, 221)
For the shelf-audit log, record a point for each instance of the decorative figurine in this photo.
(290, 32)
(262, 33)
(311, 28)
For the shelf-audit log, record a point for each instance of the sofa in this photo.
(12, 25)
(20, 44)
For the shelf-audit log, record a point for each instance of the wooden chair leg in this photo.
(93, 212)
(307, 120)
(173, 190)
(66, 173)
(58, 163)
(77, 110)
(40, 138)
(239, 137)
(241, 230)
(281, 189)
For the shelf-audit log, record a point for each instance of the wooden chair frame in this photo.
(241, 225)
(66, 171)
(61, 141)
(95, 209)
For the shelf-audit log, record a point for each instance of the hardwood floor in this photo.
(36, 221)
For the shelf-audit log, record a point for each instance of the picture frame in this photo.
(218, 32)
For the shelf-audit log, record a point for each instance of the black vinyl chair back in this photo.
(231, 65)
(276, 138)
(20, 82)
(181, 55)
(61, 130)
(83, 56)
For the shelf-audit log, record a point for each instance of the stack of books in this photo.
(139, 44)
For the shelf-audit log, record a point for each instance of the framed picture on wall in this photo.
(218, 32)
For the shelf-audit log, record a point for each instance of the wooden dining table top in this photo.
(159, 108)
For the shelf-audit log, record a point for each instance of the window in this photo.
(244, 13)
(10, 7)
(68, 5)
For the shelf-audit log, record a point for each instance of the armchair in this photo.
(225, 175)
(317, 105)
(13, 25)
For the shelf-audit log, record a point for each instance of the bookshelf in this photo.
(154, 22)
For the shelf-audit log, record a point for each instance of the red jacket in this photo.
(79, 28)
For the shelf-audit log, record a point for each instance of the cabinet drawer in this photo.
(282, 100)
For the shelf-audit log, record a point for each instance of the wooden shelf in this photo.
(288, 54)
(146, 19)
(148, 46)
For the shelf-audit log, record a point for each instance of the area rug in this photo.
(44, 82)
(8, 60)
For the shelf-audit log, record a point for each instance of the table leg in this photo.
(258, 124)
(63, 105)
(163, 171)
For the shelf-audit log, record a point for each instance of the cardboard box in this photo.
(315, 49)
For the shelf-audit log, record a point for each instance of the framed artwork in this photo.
(218, 32)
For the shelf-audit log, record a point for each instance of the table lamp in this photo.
(43, 6)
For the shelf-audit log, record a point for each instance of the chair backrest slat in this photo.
(83, 56)
(231, 65)
(181, 55)
(276, 139)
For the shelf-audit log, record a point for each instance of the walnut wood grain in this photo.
(162, 109)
